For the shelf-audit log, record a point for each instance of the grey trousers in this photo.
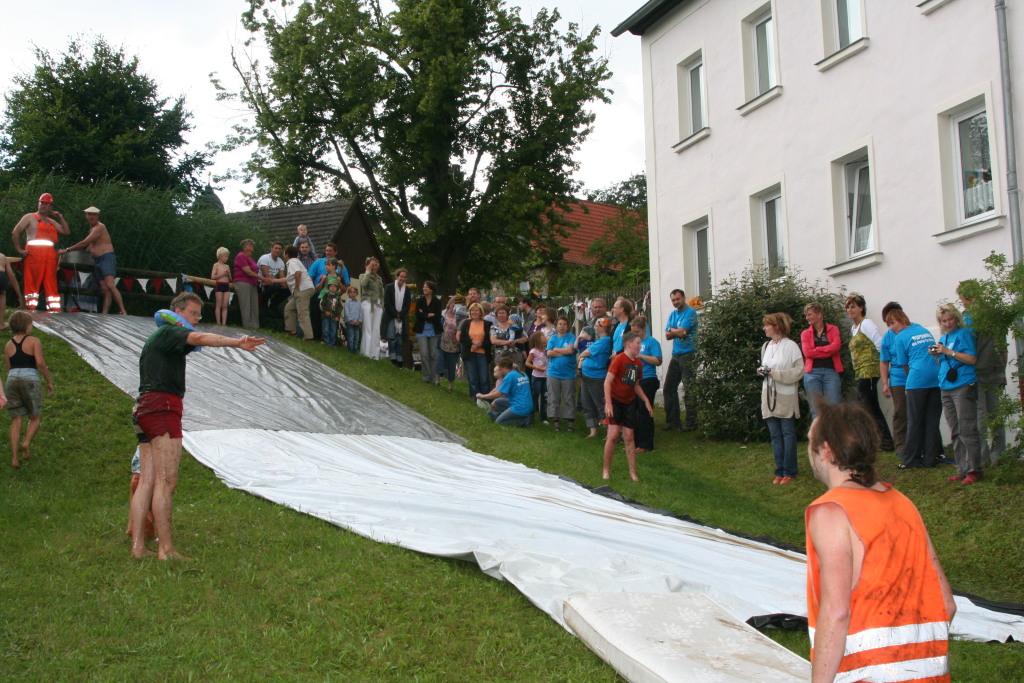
(561, 398)
(988, 405)
(960, 406)
(899, 418)
(680, 370)
(428, 356)
(248, 304)
(593, 401)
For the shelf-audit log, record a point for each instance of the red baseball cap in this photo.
(46, 198)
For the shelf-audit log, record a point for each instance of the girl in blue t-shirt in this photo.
(924, 405)
(594, 367)
(561, 352)
(956, 353)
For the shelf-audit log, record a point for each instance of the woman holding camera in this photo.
(782, 365)
(956, 355)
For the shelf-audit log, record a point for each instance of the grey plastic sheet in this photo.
(387, 473)
(276, 387)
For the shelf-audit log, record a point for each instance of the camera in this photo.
(933, 349)
(763, 371)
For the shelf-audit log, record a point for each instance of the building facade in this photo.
(860, 141)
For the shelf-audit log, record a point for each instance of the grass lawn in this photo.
(273, 593)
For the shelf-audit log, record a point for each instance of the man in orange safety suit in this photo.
(40, 252)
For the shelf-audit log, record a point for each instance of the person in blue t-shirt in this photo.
(650, 354)
(594, 367)
(681, 330)
(956, 354)
(924, 403)
(512, 401)
(561, 351)
(894, 382)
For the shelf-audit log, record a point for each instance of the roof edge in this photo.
(645, 17)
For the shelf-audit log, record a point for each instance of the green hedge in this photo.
(726, 388)
(151, 229)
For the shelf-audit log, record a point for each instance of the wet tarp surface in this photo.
(387, 473)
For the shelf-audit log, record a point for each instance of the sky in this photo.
(179, 44)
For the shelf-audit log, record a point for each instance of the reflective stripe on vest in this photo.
(39, 243)
(874, 638)
(893, 672)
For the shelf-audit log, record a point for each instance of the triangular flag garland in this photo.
(158, 283)
(231, 297)
(82, 277)
(173, 284)
(142, 282)
(209, 291)
(128, 282)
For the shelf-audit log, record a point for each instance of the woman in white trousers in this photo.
(371, 299)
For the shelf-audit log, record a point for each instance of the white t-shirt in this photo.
(274, 265)
(295, 266)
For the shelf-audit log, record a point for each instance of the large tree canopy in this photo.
(455, 120)
(91, 117)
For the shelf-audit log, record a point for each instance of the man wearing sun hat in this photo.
(40, 252)
(99, 246)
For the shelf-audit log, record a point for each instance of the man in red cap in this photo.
(41, 234)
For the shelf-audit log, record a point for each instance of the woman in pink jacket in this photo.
(820, 343)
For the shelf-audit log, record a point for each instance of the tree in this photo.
(629, 194)
(454, 120)
(90, 117)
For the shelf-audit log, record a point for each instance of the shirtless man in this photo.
(41, 235)
(99, 246)
(7, 279)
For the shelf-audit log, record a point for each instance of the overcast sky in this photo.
(179, 43)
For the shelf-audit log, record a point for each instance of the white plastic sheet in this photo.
(385, 472)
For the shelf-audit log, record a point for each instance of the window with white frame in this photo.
(859, 225)
(692, 106)
(772, 233)
(842, 23)
(702, 256)
(760, 52)
(975, 191)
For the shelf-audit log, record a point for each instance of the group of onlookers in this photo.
(961, 375)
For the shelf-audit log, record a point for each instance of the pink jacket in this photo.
(830, 351)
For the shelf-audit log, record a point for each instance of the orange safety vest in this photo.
(899, 626)
(46, 229)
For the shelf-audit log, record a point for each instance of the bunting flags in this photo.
(143, 281)
(158, 283)
(128, 282)
(209, 291)
(173, 284)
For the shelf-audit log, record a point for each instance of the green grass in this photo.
(273, 593)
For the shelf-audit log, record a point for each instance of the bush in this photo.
(727, 391)
(151, 229)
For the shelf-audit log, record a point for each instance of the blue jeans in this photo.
(329, 331)
(539, 387)
(476, 373)
(503, 415)
(823, 382)
(447, 364)
(783, 431)
(355, 334)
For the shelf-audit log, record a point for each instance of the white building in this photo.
(862, 141)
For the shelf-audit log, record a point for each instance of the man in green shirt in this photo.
(157, 416)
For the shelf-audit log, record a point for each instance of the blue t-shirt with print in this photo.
(595, 366)
(912, 350)
(517, 387)
(960, 340)
(562, 367)
(650, 347)
(686, 318)
(887, 354)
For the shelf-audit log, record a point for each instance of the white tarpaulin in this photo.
(387, 473)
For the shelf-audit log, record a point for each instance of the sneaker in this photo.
(956, 477)
(971, 479)
(777, 480)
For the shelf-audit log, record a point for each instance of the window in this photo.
(692, 108)
(975, 193)
(859, 235)
(697, 257)
(848, 24)
(771, 216)
(702, 251)
(764, 54)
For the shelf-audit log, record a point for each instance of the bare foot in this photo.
(605, 475)
(16, 465)
(139, 554)
(173, 555)
(591, 435)
(25, 452)
(634, 477)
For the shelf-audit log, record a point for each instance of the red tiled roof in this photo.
(588, 221)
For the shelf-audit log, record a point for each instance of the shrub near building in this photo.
(726, 387)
